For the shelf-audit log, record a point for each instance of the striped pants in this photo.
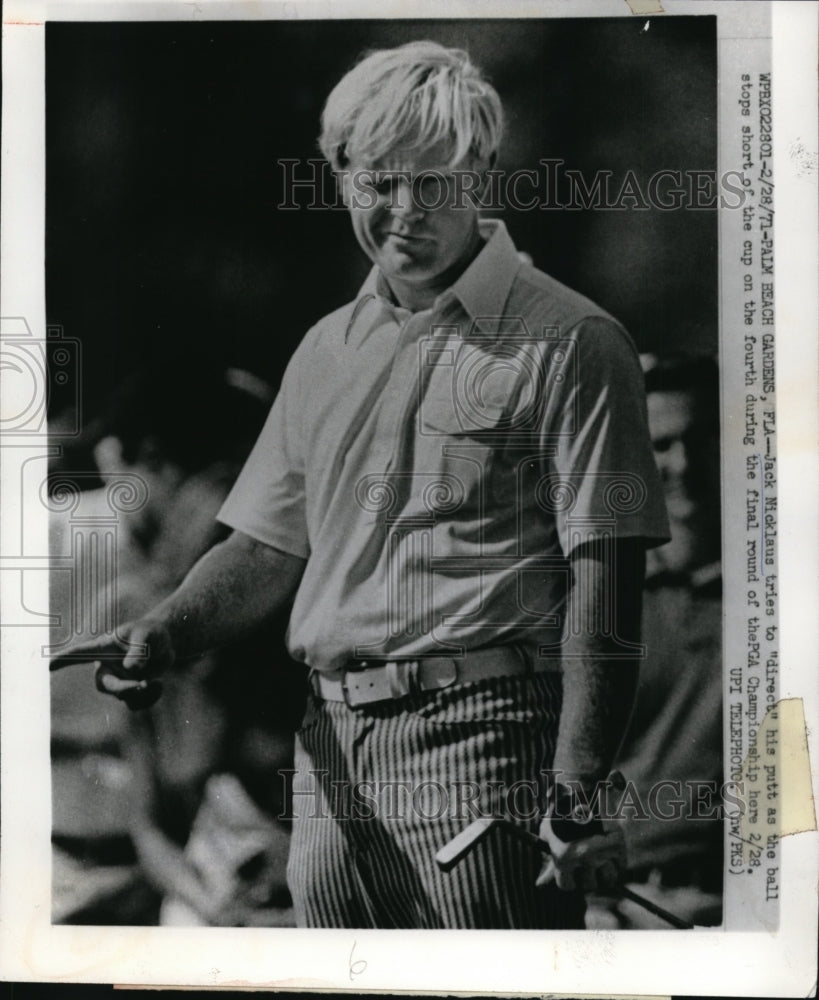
(378, 790)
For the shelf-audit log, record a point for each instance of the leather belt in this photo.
(366, 682)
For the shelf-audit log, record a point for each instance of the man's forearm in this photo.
(235, 588)
(598, 695)
(599, 681)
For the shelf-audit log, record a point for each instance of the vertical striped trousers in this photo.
(378, 790)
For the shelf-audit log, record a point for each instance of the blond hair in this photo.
(410, 98)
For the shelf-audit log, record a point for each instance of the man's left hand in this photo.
(586, 853)
(592, 863)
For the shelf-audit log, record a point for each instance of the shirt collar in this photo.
(484, 286)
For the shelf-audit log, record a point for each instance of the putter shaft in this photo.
(457, 849)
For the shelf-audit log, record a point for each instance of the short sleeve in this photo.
(601, 473)
(267, 501)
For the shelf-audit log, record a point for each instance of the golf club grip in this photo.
(456, 849)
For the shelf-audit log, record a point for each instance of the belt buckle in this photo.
(441, 673)
(382, 681)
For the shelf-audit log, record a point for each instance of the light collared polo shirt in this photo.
(437, 468)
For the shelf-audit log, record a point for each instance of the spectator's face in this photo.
(671, 421)
(412, 220)
(687, 455)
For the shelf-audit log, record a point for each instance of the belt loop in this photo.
(392, 668)
(414, 677)
(403, 677)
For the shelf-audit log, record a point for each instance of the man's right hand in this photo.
(127, 665)
(236, 587)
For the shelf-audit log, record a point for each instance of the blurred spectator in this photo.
(206, 804)
(157, 429)
(204, 761)
(174, 444)
(676, 728)
(683, 416)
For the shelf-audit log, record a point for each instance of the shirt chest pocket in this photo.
(472, 391)
(469, 411)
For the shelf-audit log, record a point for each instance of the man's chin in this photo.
(406, 268)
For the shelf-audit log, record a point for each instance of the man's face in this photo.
(671, 421)
(687, 456)
(413, 219)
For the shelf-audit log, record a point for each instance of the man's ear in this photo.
(344, 181)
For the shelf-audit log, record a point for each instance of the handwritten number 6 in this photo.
(357, 967)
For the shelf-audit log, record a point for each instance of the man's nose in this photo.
(404, 204)
(675, 459)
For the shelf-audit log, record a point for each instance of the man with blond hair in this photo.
(456, 487)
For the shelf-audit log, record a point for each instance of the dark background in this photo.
(163, 235)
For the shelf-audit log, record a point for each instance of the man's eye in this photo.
(432, 185)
